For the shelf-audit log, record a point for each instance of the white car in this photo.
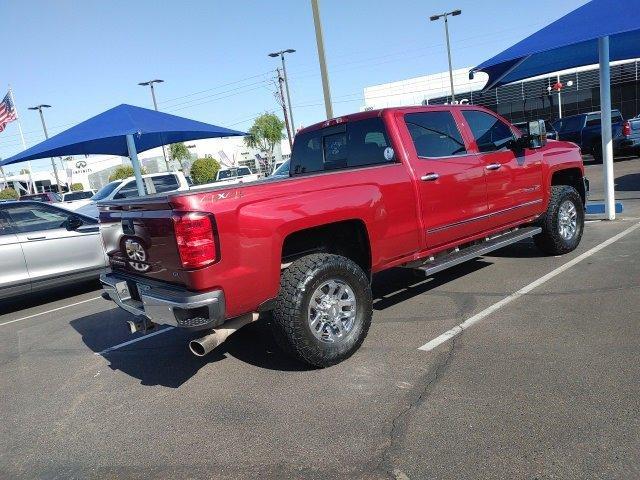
(127, 188)
(229, 176)
(75, 200)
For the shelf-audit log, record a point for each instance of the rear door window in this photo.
(435, 134)
(491, 133)
(353, 144)
(164, 183)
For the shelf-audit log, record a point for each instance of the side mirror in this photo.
(74, 222)
(536, 135)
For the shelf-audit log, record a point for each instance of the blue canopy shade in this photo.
(569, 42)
(106, 134)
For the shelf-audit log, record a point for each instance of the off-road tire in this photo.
(550, 241)
(298, 282)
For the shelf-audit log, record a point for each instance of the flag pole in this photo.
(32, 188)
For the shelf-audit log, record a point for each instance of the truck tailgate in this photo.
(146, 245)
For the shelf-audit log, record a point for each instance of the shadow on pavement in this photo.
(628, 183)
(165, 359)
(399, 284)
(47, 296)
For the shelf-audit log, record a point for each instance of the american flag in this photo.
(7, 112)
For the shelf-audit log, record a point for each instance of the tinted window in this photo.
(353, 144)
(5, 228)
(367, 141)
(31, 217)
(435, 134)
(42, 197)
(129, 190)
(490, 133)
(77, 196)
(573, 124)
(105, 191)
(164, 183)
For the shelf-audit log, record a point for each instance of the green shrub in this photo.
(124, 171)
(77, 187)
(9, 194)
(204, 170)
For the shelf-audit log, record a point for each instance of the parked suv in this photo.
(44, 246)
(585, 130)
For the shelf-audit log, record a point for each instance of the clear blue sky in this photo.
(83, 57)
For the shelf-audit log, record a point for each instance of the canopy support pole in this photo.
(133, 155)
(605, 115)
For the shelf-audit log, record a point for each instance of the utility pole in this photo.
(446, 32)
(286, 83)
(155, 106)
(280, 96)
(46, 135)
(323, 62)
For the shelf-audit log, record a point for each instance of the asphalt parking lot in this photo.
(543, 384)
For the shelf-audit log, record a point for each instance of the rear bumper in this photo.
(165, 304)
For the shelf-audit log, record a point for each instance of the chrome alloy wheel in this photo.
(567, 220)
(332, 311)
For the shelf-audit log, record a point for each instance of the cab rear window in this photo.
(353, 144)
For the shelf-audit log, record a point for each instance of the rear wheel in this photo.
(323, 310)
(563, 223)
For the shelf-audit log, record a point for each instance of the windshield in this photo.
(282, 170)
(233, 172)
(105, 191)
(77, 196)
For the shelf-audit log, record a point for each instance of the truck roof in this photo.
(379, 112)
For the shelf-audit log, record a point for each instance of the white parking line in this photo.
(135, 340)
(458, 329)
(49, 311)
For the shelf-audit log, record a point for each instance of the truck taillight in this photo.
(626, 129)
(196, 239)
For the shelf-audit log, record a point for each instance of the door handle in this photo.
(493, 166)
(40, 237)
(429, 177)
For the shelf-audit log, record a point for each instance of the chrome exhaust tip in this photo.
(204, 345)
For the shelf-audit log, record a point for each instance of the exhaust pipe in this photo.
(202, 346)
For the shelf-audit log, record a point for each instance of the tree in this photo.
(204, 170)
(265, 133)
(9, 194)
(124, 171)
(179, 152)
(77, 187)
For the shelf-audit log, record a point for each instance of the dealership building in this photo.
(528, 99)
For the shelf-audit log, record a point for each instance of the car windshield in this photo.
(77, 196)
(282, 170)
(233, 172)
(105, 191)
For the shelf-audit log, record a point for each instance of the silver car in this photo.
(43, 246)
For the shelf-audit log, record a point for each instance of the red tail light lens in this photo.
(196, 239)
(626, 129)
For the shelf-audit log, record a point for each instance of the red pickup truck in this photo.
(416, 187)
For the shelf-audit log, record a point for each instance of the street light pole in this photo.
(323, 62)
(446, 32)
(286, 84)
(46, 135)
(155, 107)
